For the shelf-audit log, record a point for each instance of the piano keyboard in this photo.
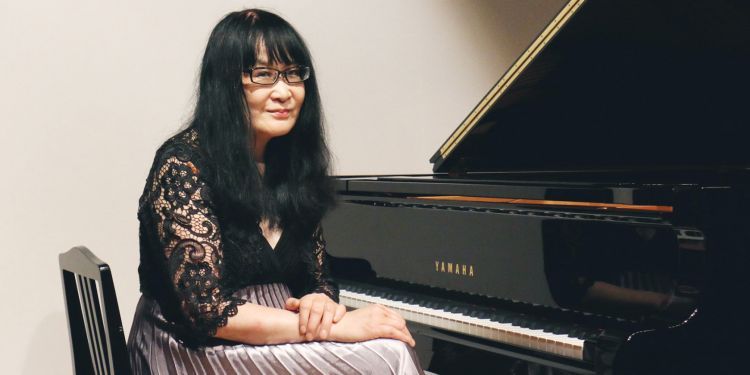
(484, 327)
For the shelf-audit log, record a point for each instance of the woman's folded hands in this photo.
(320, 318)
(317, 312)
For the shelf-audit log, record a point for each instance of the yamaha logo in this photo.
(454, 268)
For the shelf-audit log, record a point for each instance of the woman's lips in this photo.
(280, 114)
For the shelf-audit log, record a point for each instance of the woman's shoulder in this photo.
(184, 144)
(179, 153)
(177, 161)
(181, 148)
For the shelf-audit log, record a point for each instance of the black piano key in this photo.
(525, 321)
(549, 327)
(590, 335)
(515, 320)
(501, 317)
(575, 331)
(535, 324)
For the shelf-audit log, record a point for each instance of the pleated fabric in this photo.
(155, 350)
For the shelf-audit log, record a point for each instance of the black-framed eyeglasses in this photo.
(269, 76)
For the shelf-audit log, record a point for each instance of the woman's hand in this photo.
(371, 322)
(317, 312)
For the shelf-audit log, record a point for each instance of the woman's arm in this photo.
(371, 322)
(260, 325)
(190, 239)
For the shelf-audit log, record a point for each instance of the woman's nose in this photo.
(281, 91)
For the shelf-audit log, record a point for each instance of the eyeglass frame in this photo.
(305, 69)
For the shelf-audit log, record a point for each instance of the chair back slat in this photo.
(87, 323)
(96, 333)
(103, 327)
(94, 317)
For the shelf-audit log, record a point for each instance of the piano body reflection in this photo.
(589, 214)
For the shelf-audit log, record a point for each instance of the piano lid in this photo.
(617, 85)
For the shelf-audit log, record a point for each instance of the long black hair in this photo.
(295, 188)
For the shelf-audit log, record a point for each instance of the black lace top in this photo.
(192, 266)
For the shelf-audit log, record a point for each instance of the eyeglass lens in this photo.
(269, 76)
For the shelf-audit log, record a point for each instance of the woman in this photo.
(229, 227)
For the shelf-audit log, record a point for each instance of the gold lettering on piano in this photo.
(458, 269)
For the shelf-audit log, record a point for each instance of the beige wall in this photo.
(89, 89)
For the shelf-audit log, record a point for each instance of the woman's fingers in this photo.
(313, 322)
(340, 311)
(326, 321)
(400, 324)
(304, 316)
(292, 304)
(393, 325)
(397, 323)
(393, 314)
(395, 320)
(394, 333)
(411, 339)
(317, 312)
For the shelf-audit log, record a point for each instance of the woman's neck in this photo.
(259, 151)
(259, 147)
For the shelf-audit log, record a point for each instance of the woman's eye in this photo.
(262, 74)
(293, 74)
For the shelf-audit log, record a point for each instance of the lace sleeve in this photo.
(321, 275)
(189, 234)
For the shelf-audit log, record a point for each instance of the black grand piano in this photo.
(588, 216)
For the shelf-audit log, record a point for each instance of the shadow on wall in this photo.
(49, 347)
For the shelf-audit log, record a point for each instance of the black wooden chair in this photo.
(96, 336)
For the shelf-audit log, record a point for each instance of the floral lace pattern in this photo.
(191, 240)
(321, 276)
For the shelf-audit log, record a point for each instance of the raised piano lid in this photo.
(617, 85)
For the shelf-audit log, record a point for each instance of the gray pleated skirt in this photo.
(154, 350)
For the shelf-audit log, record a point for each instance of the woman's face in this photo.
(274, 109)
